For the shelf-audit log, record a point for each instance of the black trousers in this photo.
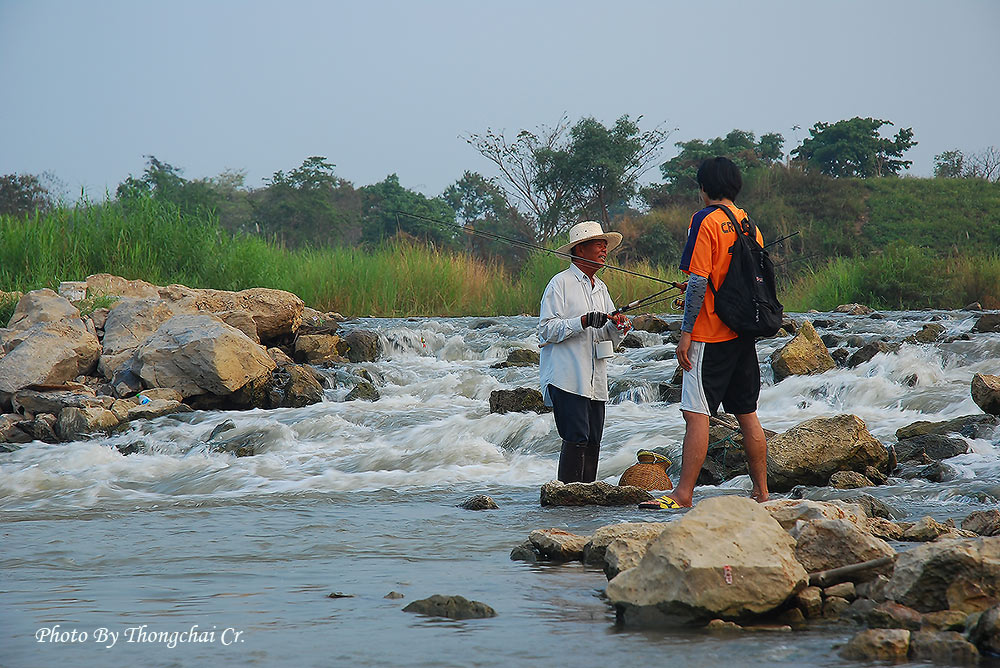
(578, 419)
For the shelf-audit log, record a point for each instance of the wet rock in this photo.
(293, 386)
(519, 400)
(11, 430)
(878, 645)
(363, 391)
(970, 426)
(723, 626)
(789, 325)
(48, 353)
(524, 552)
(221, 428)
(844, 590)
(809, 453)
(682, 576)
(594, 551)
(198, 354)
(810, 602)
(849, 480)
(831, 340)
(789, 513)
(942, 647)
(518, 357)
(957, 574)
(75, 424)
(926, 529)
(929, 333)
(451, 607)
(944, 620)
(873, 507)
(855, 341)
(892, 615)
(320, 348)
(859, 610)
(556, 493)
(840, 356)
(884, 529)
(483, 324)
(986, 393)
(974, 306)
(558, 545)
(987, 323)
(668, 393)
(935, 446)
(340, 594)
(938, 472)
(279, 356)
(873, 589)
(805, 354)
(363, 346)
(854, 309)
(394, 595)
(866, 352)
(248, 444)
(834, 607)
(983, 522)
(825, 544)
(479, 502)
(632, 341)
(985, 633)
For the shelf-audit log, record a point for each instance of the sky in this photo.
(88, 88)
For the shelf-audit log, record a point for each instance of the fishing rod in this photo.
(780, 239)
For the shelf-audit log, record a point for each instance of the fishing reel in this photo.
(677, 303)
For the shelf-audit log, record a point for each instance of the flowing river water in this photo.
(361, 498)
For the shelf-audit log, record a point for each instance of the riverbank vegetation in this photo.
(853, 228)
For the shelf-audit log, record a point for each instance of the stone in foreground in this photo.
(556, 493)
(452, 607)
(878, 645)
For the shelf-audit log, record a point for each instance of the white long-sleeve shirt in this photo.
(568, 358)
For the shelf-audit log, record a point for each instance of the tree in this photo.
(23, 194)
(385, 205)
(854, 148)
(956, 165)
(480, 205)
(556, 173)
(949, 165)
(740, 146)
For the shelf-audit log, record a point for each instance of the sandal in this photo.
(660, 503)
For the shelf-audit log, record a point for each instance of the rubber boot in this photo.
(571, 461)
(591, 454)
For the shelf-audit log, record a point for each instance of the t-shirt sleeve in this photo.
(697, 256)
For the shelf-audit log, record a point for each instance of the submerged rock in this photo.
(987, 323)
(451, 607)
(479, 502)
(870, 350)
(364, 391)
(556, 493)
(519, 400)
(558, 545)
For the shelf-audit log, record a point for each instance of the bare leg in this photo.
(755, 446)
(693, 456)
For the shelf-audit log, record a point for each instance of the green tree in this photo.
(385, 204)
(480, 205)
(949, 165)
(23, 194)
(854, 148)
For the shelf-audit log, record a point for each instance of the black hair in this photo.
(720, 178)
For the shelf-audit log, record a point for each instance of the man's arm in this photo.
(694, 297)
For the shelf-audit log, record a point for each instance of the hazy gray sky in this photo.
(381, 86)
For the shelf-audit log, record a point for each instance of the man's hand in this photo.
(622, 322)
(682, 351)
(594, 319)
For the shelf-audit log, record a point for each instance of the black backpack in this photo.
(747, 300)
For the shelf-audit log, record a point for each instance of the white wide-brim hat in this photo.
(587, 231)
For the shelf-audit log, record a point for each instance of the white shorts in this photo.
(693, 397)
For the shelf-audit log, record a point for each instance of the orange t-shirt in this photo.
(707, 254)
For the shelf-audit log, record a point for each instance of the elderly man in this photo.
(572, 322)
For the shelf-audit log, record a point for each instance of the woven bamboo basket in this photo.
(649, 473)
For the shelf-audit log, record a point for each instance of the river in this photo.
(180, 555)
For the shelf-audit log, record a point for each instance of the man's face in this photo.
(594, 251)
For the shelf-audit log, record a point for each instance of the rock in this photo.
(156, 408)
(43, 428)
(884, 529)
(809, 453)
(363, 391)
(518, 357)
(363, 346)
(970, 426)
(790, 512)
(76, 424)
(40, 306)
(650, 323)
(99, 316)
(520, 400)
(805, 354)
(983, 522)
(957, 574)
(722, 626)
(926, 529)
(107, 284)
(844, 590)
(790, 325)
(892, 615)
(451, 607)
(859, 610)
(320, 348)
(558, 545)
(942, 647)
(854, 309)
(288, 386)
(32, 401)
(944, 620)
(632, 341)
(686, 571)
(974, 306)
(834, 607)
(810, 601)
(524, 552)
(929, 333)
(866, 352)
(130, 323)
(198, 354)
(11, 431)
(479, 502)
(669, 394)
(622, 554)
(556, 493)
(935, 446)
(49, 353)
(878, 645)
(242, 321)
(279, 356)
(840, 356)
(873, 507)
(595, 549)
(394, 595)
(985, 633)
(986, 393)
(849, 480)
(831, 340)
(825, 544)
(987, 323)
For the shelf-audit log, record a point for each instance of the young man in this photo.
(572, 320)
(719, 365)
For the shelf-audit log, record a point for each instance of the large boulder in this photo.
(957, 574)
(363, 346)
(986, 392)
(805, 354)
(600, 493)
(727, 558)
(988, 322)
(320, 348)
(809, 453)
(48, 353)
(970, 426)
(108, 284)
(41, 306)
(198, 354)
(826, 544)
(130, 323)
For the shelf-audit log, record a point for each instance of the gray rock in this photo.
(970, 426)
(556, 493)
(870, 350)
(519, 400)
(479, 502)
(892, 615)
(825, 544)
(54, 400)
(840, 356)
(320, 348)
(157, 408)
(935, 446)
(518, 357)
(929, 333)
(363, 391)
(987, 323)
(558, 545)
(43, 428)
(11, 430)
(632, 341)
(76, 424)
(873, 507)
(985, 634)
(363, 346)
(831, 340)
(834, 607)
(48, 353)
(524, 552)
(942, 647)
(451, 607)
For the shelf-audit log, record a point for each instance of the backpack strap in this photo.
(746, 227)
